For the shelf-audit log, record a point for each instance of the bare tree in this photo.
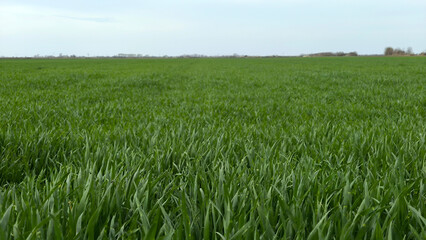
(409, 50)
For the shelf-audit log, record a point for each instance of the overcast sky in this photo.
(211, 27)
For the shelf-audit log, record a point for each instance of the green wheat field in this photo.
(245, 148)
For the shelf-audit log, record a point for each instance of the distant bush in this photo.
(332, 54)
(398, 51)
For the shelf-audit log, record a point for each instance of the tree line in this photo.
(389, 51)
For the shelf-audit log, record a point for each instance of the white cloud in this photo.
(29, 20)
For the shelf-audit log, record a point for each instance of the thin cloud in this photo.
(88, 19)
(34, 11)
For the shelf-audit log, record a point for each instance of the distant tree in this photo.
(398, 51)
(409, 50)
(354, 54)
(388, 51)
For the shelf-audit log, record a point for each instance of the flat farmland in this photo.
(244, 148)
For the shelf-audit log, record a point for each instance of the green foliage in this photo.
(278, 148)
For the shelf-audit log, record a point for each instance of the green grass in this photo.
(277, 148)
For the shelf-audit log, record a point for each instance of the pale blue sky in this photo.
(253, 27)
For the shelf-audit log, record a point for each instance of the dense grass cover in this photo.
(290, 148)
